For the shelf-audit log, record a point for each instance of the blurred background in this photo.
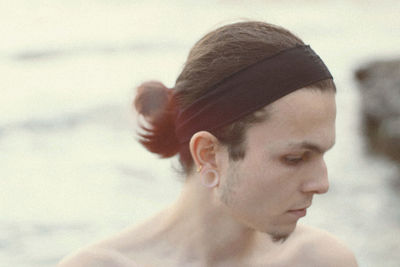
(71, 171)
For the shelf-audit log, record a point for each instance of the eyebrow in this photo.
(309, 145)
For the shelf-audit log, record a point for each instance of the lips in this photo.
(298, 213)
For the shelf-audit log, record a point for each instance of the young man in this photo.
(254, 112)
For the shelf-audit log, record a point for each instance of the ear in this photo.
(203, 148)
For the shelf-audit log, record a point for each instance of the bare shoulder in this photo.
(320, 248)
(117, 250)
(96, 257)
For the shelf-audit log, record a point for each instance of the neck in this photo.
(201, 230)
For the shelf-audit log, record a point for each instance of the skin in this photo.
(247, 218)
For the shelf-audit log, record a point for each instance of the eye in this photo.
(293, 160)
(296, 159)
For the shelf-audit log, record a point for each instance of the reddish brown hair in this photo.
(216, 56)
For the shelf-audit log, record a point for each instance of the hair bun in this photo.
(155, 102)
(151, 100)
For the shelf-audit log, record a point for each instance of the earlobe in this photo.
(209, 178)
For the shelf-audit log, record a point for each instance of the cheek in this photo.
(266, 186)
(267, 174)
(275, 184)
(259, 183)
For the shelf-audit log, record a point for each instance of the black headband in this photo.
(251, 89)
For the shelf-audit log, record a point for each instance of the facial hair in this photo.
(227, 197)
(279, 237)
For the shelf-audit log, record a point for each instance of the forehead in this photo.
(306, 115)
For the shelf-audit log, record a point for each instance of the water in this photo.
(71, 170)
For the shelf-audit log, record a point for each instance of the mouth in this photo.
(299, 212)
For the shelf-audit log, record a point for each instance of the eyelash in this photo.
(295, 160)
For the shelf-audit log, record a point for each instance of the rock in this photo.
(379, 83)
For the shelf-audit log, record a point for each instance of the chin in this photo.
(281, 233)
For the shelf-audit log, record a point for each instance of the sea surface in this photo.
(71, 170)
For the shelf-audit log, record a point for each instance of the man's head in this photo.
(244, 151)
(283, 166)
(217, 56)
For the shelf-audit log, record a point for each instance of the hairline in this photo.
(268, 110)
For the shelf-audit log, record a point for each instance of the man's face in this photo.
(284, 166)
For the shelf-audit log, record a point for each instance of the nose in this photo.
(317, 182)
